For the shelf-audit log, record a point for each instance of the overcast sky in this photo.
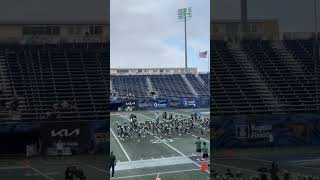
(147, 34)
(293, 15)
(47, 11)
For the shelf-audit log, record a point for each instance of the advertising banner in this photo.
(130, 103)
(99, 134)
(189, 102)
(74, 135)
(255, 130)
(175, 103)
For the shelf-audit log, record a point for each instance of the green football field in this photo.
(170, 158)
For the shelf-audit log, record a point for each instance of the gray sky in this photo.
(47, 11)
(147, 34)
(293, 15)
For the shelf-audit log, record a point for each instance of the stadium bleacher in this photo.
(66, 81)
(287, 88)
(135, 85)
(164, 85)
(43, 77)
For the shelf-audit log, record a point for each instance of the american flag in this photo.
(203, 54)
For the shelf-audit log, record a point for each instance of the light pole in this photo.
(184, 15)
(316, 52)
(244, 19)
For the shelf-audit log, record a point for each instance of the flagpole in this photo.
(209, 72)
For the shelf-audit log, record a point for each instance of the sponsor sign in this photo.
(65, 132)
(75, 135)
(146, 104)
(101, 138)
(130, 103)
(253, 131)
(189, 103)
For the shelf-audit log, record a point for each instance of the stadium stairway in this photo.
(287, 56)
(254, 77)
(8, 93)
(293, 90)
(190, 87)
(150, 86)
(200, 80)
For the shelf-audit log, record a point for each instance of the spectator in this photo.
(59, 147)
(112, 163)
(229, 174)
(274, 171)
(65, 105)
(271, 140)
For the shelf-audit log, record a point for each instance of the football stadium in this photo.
(160, 100)
(156, 120)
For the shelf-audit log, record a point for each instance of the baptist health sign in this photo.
(253, 131)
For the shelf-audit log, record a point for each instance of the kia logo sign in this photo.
(130, 103)
(65, 133)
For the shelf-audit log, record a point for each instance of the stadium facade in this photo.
(53, 33)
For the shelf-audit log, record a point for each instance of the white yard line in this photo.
(125, 152)
(152, 163)
(96, 168)
(256, 159)
(155, 174)
(41, 173)
(168, 145)
(305, 161)
(238, 168)
(14, 167)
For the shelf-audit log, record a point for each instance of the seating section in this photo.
(46, 77)
(205, 78)
(72, 79)
(234, 91)
(164, 85)
(170, 86)
(302, 51)
(200, 87)
(134, 85)
(293, 90)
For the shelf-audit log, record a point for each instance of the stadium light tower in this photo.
(316, 53)
(184, 15)
(244, 19)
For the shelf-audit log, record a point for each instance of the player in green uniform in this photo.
(198, 148)
(205, 154)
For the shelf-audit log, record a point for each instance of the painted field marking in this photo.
(238, 168)
(125, 152)
(41, 173)
(168, 144)
(13, 167)
(96, 168)
(154, 174)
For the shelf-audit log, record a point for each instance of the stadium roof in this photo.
(54, 12)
